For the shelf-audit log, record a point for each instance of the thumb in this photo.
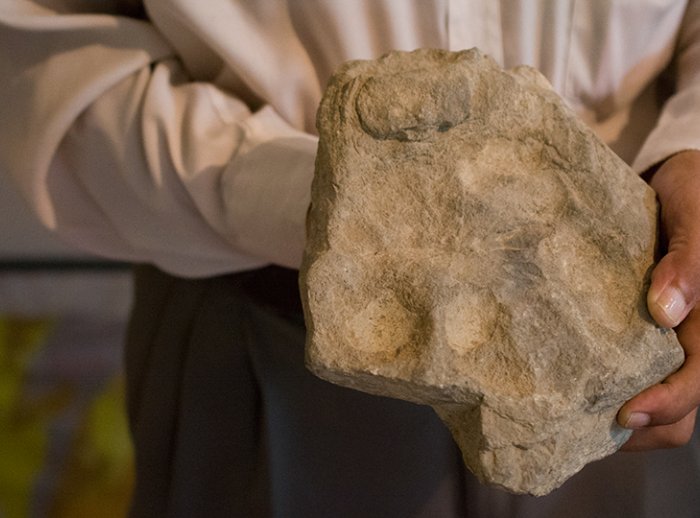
(671, 296)
(675, 286)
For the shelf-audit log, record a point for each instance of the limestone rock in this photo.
(473, 246)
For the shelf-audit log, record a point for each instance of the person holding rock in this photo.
(180, 136)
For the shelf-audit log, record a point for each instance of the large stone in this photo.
(473, 246)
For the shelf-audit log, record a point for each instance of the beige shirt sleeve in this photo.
(678, 127)
(126, 156)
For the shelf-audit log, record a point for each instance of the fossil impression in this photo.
(473, 246)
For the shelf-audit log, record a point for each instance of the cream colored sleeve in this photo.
(678, 127)
(124, 155)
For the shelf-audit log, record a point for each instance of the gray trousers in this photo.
(227, 422)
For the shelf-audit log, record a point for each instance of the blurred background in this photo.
(64, 447)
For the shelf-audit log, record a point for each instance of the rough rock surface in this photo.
(473, 246)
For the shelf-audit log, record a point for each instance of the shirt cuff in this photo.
(678, 130)
(267, 189)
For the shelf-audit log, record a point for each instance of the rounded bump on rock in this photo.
(413, 105)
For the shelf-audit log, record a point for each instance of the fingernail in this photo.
(672, 303)
(637, 420)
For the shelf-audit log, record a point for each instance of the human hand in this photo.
(663, 416)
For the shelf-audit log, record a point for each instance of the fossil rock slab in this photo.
(474, 247)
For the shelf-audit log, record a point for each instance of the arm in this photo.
(664, 415)
(120, 151)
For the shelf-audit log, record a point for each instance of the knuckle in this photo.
(680, 433)
(677, 440)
